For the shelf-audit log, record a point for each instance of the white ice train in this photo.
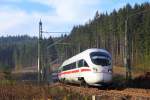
(90, 67)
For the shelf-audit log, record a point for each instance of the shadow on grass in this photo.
(142, 81)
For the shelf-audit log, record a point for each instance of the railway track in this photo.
(124, 93)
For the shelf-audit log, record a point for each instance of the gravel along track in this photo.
(123, 92)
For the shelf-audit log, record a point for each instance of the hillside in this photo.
(21, 51)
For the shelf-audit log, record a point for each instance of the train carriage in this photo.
(92, 66)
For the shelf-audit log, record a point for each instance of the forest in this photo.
(108, 31)
(105, 30)
(18, 52)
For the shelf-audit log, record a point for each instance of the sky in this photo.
(21, 17)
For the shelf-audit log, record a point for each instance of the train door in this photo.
(79, 65)
(83, 70)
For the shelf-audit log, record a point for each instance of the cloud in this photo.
(18, 22)
(10, 1)
(61, 15)
(64, 15)
(71, 10)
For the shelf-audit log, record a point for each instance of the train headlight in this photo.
(110, 70)
(95, 69)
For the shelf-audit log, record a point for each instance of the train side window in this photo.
(69, 66)
(73, 65)
(64, 68)
(80, 63)
(85, 63)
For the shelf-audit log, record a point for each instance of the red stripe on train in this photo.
(74, 71)
(69, 72)
(85, 70)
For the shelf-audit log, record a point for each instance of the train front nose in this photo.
(99, 77)
(107, 77)
(106, 74)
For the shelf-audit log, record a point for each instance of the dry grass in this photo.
(12, 90)
(122, 71)
(23, 91)
(15, 91)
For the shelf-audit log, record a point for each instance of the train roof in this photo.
(83, 54)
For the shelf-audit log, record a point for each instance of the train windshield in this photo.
(100, 58)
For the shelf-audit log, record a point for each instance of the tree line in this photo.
(108, 31)
(17, 52)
